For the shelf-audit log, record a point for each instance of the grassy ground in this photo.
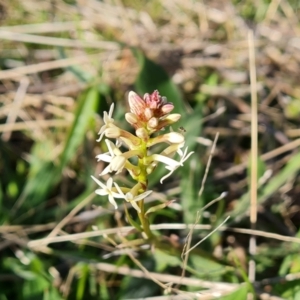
(232, 71)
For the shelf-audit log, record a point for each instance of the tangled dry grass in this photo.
(54, 51)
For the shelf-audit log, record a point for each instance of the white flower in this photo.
(108, 121)
(169, 151)
(113, 157)
(107, 190)
(116, 159)
(170, 138)
(131, 198)
(171, 164)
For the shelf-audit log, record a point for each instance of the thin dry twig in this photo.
(208, 164)
(207, 236)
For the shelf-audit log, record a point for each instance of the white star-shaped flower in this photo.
(172, 164)
(183, 158)
(108, 122)
(107, 190)
(114, 157)
(132, 199)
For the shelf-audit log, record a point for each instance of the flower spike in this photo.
(148, 115)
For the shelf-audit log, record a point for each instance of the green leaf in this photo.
(153, 77)
(163, 260)
(289, 290)
(83, 270)
(261, 168)
(191, 171)
(52, 294)
(84, 117)
(35, 288)
(77, 71)
(240, 293)
(131, 221)
(204, 265)
(292, 109)
(44, 175)
(37, 187)
(158, 207)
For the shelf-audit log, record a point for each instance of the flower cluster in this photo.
(147, 116)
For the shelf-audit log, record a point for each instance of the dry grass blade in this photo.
(46, 27)
(254, 159)
(127, 229)
(46, 66)
(12, 116)
(60, 42)
(166, 277)
(203, 47)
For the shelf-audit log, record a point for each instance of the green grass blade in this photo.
(84, 117)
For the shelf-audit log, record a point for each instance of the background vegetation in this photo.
(63, 63)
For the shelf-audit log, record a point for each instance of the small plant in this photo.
(149, 116)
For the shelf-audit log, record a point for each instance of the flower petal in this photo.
(109, 183)
(112, 201)
(135, 206)
(142, 196)
(165, 159)
(99, 182)
(104, 157)
(101, 192)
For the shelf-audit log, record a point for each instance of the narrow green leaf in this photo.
(84, 116)
(83, 270)
(44, 175)
(77, 71)
(131, 221)
(261, 168)
(191, 171)
(158, 207)
(37, 187)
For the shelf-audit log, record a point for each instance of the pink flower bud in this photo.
(152, 123)
(173, 118)
(142, 134)
(154, 100)
(174, 137)
(167, 108)
(131, 118)
(136, 104)
(148, 113)
(170, 138)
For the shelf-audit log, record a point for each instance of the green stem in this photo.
(144, 220)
